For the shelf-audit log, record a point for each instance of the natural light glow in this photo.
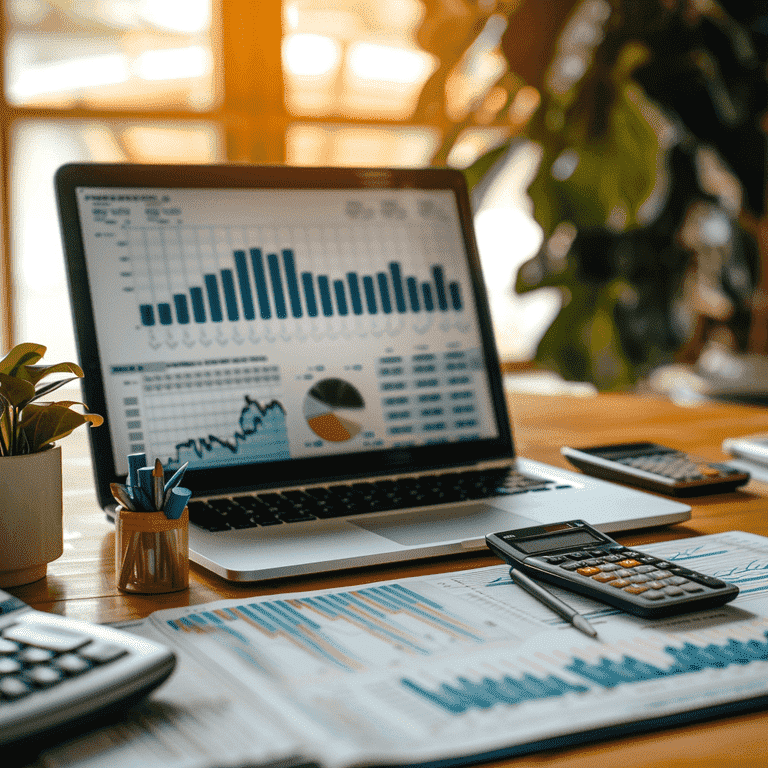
(184, 16)
(71, 75)
(371, 61)
(310, 55)
(291, 15)
(172, 63)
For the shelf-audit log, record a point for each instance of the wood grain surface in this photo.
(82, 582)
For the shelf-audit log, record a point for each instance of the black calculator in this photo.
(657, 468)
(576, 556)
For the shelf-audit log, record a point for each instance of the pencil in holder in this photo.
(151, 552)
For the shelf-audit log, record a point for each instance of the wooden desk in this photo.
(81, 583)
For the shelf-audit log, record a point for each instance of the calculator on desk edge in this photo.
(656, 468)
(576, 556)
(57, 672)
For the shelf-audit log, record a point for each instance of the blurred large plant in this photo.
(634, 95)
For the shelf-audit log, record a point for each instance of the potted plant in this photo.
(31, 504)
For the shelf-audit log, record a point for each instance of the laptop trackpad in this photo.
(460, 523)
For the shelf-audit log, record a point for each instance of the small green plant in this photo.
(28, 426)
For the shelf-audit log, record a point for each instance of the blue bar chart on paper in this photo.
(342, 631)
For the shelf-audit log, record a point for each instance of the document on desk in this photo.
(449, 667)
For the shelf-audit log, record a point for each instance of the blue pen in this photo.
(143, 491)
(135, 462)
(174, 507)
(174, 481)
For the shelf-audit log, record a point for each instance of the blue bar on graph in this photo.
(442, 300)
(413, 294)
(386, 304)
(370, 296)
(429, 302)
(246, 295)
(293, 284)
(354, 292)
(397, 285)
(198, 307)
(182, 308)
(341, 297)
(325, 294)
(164, 313)
(228, 283)
(277, 285)
(147, 312)
(309, 293)
(453, 287)
(261, 283)
(214, 300)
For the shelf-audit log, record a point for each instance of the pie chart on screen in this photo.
(331, 408)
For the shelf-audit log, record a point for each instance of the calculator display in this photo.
(576, 538)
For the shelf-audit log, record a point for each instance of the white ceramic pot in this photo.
(31, 511)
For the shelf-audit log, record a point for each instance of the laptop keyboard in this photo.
(345, 499)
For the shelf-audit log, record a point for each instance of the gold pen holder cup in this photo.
(151, 552)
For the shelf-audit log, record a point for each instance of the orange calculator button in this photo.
(630, 563)
(604, 577)
(588, 571)
(636, 589)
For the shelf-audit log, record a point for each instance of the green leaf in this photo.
(15, 391)
(21, 355)
(44, 424)
(36, 372)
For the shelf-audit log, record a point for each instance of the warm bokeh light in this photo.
(173, 63)
(370, 61)
(310, 55)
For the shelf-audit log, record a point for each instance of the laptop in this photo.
(316, 345)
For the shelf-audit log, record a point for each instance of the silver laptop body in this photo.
(316, 344)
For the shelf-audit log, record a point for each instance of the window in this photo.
(307, 82)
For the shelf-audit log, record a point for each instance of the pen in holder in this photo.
(151, 552)
(152, 529)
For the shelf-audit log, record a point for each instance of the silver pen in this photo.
(544, 596)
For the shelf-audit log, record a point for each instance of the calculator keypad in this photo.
(676, 466)
(34, 658)
(635, 573)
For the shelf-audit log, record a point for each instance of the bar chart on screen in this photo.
(211, 285)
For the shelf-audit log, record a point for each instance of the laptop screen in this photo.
(245, 326)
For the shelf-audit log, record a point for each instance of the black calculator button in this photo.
(690, 586)
(654, 594)
(570, 566)
(9, 666)
(13, 688)
(606, 567)
(555, 559)
(101, 653)
(72, 664)
(7, 647)
(44, 676)
(32, 655)
(578, 555)
(593, 561)
(612, 558)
